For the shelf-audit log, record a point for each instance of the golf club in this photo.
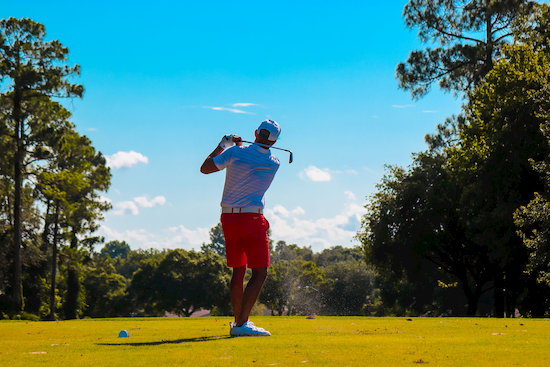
(291, 158)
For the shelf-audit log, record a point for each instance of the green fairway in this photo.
(327, 341)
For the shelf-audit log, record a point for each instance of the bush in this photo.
(27, 316)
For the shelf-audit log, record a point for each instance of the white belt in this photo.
(242, 210)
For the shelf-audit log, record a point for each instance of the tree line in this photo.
(118, 281)
(51, 177)
(470, 214)
(464, 230)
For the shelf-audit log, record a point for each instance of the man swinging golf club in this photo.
(250, 171)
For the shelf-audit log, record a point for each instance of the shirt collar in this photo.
(261, 149)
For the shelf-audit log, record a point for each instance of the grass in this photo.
(324, 341)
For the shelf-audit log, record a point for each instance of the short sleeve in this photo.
(223, 160)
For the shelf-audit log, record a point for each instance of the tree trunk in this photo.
(473, 297)
(499, 296)
(489, 39)
(53, 303)
(73, 283)
(17, 299)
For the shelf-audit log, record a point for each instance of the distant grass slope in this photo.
(325, 341)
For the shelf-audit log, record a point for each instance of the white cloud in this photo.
(186, 236)
(131, 207)
(428, 111)
(244, 104)
(139, 235)
(285, 213)
(298, 211)
(352, 172)
(402, 106)
(232, 110)
(321, 233)
(315, 174)
(143, 202)
(126, 207)
(350, 195)
(125, 159)
(91, 129)
(176, 237)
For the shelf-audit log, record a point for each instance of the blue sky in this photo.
(165, 80)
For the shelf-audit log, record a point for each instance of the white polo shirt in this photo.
(250, 171)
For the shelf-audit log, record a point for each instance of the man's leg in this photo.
(250, 294)
(236, 289)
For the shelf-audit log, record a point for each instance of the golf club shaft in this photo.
(265, 145)
(291, 158)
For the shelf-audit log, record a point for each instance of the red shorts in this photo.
(246, 240)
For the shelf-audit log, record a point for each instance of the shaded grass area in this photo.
(325, 341)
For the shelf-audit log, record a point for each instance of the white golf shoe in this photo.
(248, 329)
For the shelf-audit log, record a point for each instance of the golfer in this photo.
(250, 171)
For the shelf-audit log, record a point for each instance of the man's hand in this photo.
(230, 139)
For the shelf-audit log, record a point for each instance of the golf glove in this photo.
(227, 141)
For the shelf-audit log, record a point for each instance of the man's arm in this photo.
(208, 166)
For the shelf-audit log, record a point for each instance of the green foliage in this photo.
(498, 144)
(414, 232)
(182, 283)
(296, 286)
(337, 254)
(283, 251)
(532, 217)
(353, 284)
(136, 259)
(26, 316)
(280, 286)
(115, 249)
(312, 284)
(534, 222)
(105, 290)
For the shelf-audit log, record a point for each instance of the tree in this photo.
(283, 251)
(86, 207)
(412, 232)
(136, 259)
(217, 241)
(105, 290)
(182, 283)
(337, 254)
(353, 284)
(312, 284)
(501, 138)
(470, 35)
(280, 286)
(144, 289)
(70, 183)
(115, 249)
(32, 72)
(533, 219)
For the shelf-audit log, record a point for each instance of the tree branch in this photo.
(458, 36)
(504, 36)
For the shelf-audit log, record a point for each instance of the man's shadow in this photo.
(177, 341)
